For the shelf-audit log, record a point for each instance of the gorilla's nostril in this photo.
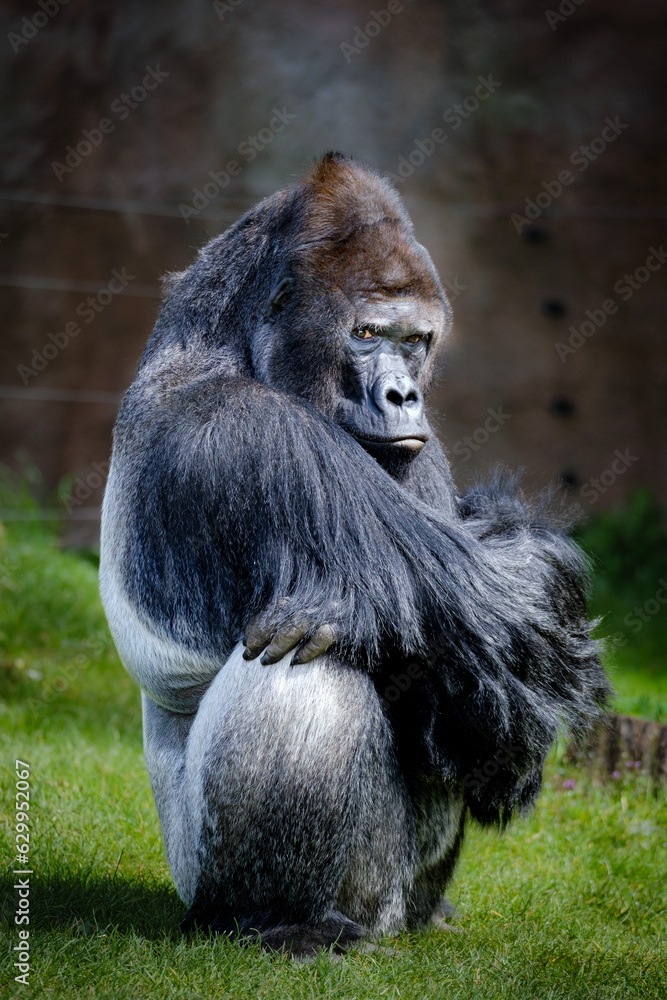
(411, 397)
(395, 397)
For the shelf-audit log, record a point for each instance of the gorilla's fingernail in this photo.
(247, 655)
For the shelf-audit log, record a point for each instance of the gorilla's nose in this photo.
(396, 395)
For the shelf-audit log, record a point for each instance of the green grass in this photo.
(627, 547)
(566, 904)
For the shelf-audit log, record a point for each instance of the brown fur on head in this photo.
(344, 195)
(355, 214)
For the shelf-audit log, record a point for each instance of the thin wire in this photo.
(53, 395)
(125, 207)
(236, 208)
(78, 514)
(64, 285)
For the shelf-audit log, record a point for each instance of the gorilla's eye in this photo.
(364, 333)
(415, 338)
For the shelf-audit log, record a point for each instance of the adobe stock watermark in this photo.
(69, 672)
(597, 486)
(454, 287)
(120, 108)
(22, 829)
(625, 288)
(378, 19)
(641, 614)
(83, 487)
(87, 310)
(581, 158)
(454, 116)
(400, 683)
(436, 648)
(468, 445)
(248, 149)
(565, 9)
(481, 776)
(31, 26)
(222, 8)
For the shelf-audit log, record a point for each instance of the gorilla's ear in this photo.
(280, 296)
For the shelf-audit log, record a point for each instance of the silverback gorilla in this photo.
(275, 489)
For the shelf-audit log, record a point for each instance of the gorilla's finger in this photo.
(282, 642)
(259, 632)
(257, 637)
(315, 645)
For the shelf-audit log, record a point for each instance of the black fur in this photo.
(244, 496)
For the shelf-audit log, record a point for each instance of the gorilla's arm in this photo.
(545, 574)
(244, 501)
(538, 580)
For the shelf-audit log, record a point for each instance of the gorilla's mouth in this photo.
(412, 442)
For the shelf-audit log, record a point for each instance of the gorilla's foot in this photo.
(305, 940)
(297, 940)
(443, 916)
(369, 947)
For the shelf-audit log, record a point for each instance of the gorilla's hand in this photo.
(276, 641)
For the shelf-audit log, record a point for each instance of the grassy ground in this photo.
(627, 548)
(567, 903)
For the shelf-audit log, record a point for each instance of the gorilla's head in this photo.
(354, 318)
(322, 291)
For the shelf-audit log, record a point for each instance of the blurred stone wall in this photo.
(527, 140)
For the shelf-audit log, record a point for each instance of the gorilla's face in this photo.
(381, 402)
(392, 316)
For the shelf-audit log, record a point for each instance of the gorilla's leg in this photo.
(285, 816)
(439, 820)
(165, 744)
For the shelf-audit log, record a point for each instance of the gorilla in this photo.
(341, 658)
